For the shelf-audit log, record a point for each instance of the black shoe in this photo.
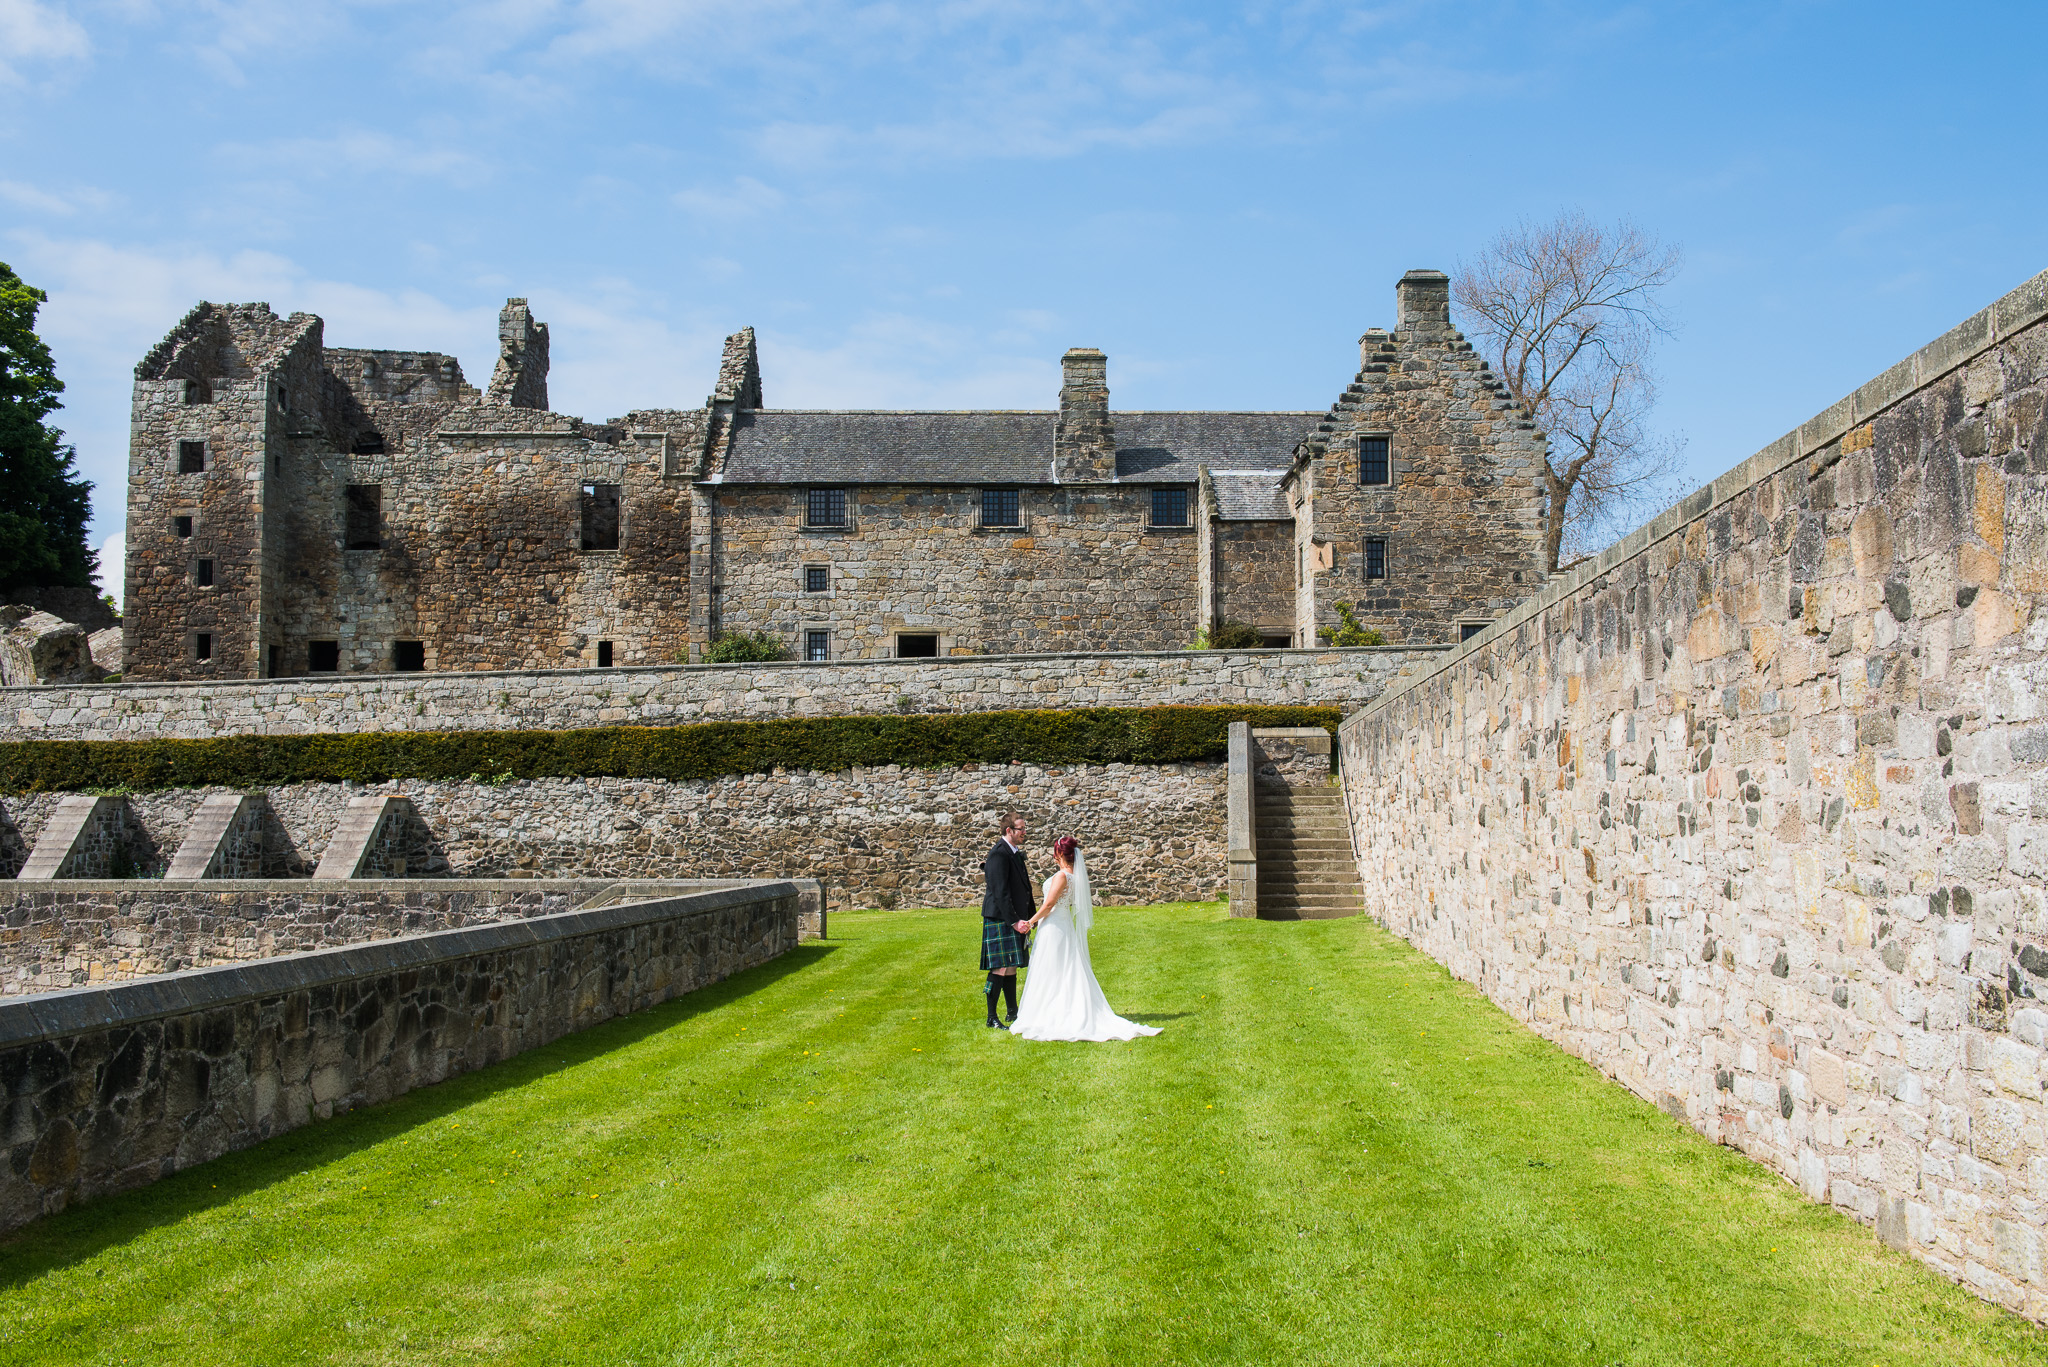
(994, 1025)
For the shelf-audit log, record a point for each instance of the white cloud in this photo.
(32, 32)
(745, 198)
(359, 151)
(36, 199)
(903, 361)
(113, 574)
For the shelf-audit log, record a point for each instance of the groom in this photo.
(1006, 904)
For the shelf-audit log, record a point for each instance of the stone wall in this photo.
(80, 932)
(1752, 812)
(90, 931)
(886, 837)
(1462, 514)
(112, 1087)
(673, 695)
(1255, 574)
(914, 559)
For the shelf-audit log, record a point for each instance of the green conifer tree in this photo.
(44, 503)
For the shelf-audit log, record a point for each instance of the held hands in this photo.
(1024, 927)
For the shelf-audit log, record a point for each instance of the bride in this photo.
(1062, 1000)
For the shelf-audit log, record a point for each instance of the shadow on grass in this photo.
(57, 1241)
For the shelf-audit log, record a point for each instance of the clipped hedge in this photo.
(1089, 735)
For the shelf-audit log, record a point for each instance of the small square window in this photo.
(999, 508)
(202, 574)
(826, 508)
(182, 526)
(1467, 630)
(1375, 560)
(323, 657)
(198, 391)
(917, 646)
(817, 645)
(408, 657)
(604, 654)
(364, 529)
(817, 578)
(202, 646)
(1169, 507)
(191, 457)
(601, 517)
(1372, 461)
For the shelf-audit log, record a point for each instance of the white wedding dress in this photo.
(1061, 999)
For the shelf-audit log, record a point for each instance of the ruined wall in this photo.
(1255, 574)
(113, 1087)
(211, 383)
(551, 699)
(1752, 812)
(1083, 572)
(1462, 517)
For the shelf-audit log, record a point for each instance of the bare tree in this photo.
(1566, 313)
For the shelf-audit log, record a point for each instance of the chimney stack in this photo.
(1424, 298)
(1084, 443)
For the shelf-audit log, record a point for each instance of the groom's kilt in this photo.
(1002, 946)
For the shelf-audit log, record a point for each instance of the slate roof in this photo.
(790, 446)
(1250, 495)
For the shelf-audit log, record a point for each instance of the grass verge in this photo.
(1334, 1154)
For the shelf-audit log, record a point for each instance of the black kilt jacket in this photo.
(1006, 900)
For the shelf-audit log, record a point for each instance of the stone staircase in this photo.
(1304, 847)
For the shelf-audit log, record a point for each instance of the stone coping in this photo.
(77, 1010)
(388, 679)
(344, 887)
(2021, 308)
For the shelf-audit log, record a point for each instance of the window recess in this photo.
(817, 645)
(191, 457)
(601, 517)
(363, 528)
(1375, 559)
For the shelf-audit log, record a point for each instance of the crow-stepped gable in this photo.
(296, 508)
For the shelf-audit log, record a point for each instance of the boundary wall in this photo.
(110, 1088)
(674, 695)
(1751, 812)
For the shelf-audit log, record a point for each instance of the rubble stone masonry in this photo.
(1752, 812)
(877, 837)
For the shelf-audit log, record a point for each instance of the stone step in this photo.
(1336, 844)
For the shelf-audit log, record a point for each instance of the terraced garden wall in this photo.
(1752, 812)
(111, 1087)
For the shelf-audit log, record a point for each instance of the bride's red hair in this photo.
(1065, 848)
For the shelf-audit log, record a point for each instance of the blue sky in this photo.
(924, 205)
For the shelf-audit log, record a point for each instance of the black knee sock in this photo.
(989, 991)
(1010, 994)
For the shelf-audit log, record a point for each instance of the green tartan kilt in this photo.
(1002, 946)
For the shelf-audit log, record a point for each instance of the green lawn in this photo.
(1334, 1154)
